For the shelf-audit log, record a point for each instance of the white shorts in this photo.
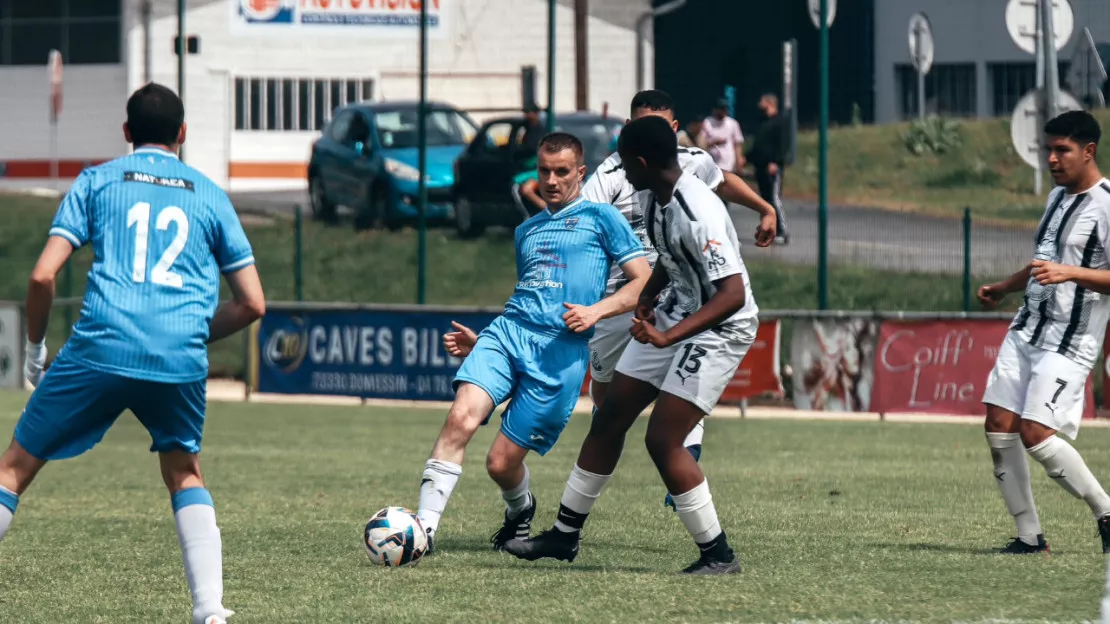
(1039, 385)
(611, 336)
(697, 369)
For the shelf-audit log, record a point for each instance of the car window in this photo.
(398, 128)
(358, 130)
(496, 138)
(338, 128)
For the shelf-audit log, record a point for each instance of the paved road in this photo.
(864, 236)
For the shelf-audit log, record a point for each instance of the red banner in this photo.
(758, 373)
(939, 366)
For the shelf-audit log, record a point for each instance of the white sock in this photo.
(201, 550)
(8, 503)
(436, 486)
(1011, 474)
(696, 511)
(518, 499)
(579, 497)
(694, 437)
(1063, 464)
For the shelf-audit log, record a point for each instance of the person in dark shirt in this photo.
(534, 130)
(768, 157)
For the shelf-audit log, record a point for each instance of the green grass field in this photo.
(870, 166)
(833, 521)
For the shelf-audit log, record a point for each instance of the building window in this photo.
(950, 90)
(86, 32)
(294, 104)
(1011, 81)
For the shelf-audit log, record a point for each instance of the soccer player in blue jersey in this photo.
(535, 354)
(161, 234)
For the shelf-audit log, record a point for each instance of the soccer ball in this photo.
(394, 537)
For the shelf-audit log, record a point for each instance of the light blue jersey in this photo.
(162, 234)
(564, 257)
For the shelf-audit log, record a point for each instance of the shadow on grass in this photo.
(943, 548)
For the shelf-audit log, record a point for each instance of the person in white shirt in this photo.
(721, 135)
(1037, 385)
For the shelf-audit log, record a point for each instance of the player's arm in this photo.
(236, 260)
(1047, 273)
(990, 294)
(40, 287)
(624, 249)
(247, 305)
(735, 190)
(637, 271)
(729, 298)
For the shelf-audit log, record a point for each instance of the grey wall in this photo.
(964, 31)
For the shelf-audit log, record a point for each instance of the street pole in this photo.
(823, 169)
(422, 142)
(1042, 104)
(551, 6)
(181, 61)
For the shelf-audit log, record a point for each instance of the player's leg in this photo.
(505, 465)
(692, 443)
(17, 470)
(695, 380)
(551, 374)
(68, 414)
(1055, 403)
(484, 381)
(1005, 398)
(174, 415)
(633, 388)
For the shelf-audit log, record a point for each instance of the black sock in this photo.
(717, 549)
(569, 521)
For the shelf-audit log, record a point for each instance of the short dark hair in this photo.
(1078, 125)
(652, 139)
(555, 142)
(531, 108)
(652, 99)
(154, 115)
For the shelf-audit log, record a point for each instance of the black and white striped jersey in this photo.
(697, 245)
(608, 185)
(1068, 318)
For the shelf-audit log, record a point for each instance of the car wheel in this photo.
(322, 209)
(467, 223)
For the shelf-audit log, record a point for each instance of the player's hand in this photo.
(646, 333)
(460, 342)
(1051, 272)
(767, 231)
(580, 318)
(990, 295)
(645, 309)
(34, 362)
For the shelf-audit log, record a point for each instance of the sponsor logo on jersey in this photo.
(146, 178)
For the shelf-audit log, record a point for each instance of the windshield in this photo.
(397, 129)
(597, 139)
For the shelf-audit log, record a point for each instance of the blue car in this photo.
(367, 159)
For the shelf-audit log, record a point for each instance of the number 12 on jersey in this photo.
(139, 216)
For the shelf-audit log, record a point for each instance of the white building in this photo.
(267, 73)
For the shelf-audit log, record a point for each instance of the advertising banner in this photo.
(364, 353)
(832, 361)
(939, 366)
(382, 18)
